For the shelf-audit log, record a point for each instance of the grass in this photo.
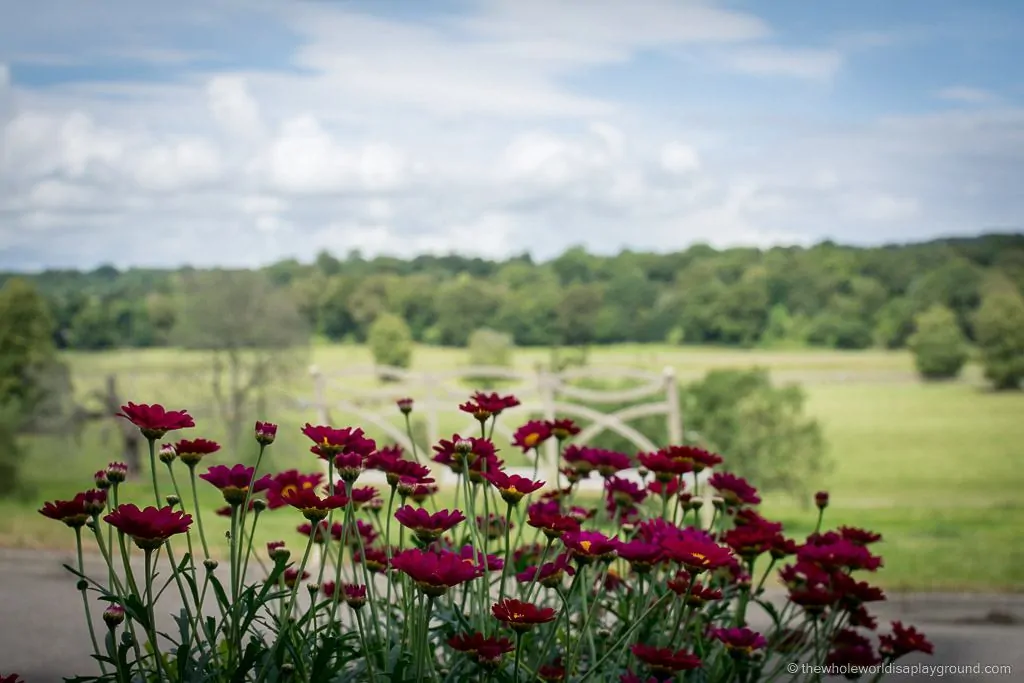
(933, 467)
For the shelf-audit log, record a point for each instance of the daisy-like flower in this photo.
(694, 593)
(641, 556)
(552, 524)
(428, 527)
(287, 482)
(697, 555)
(151, 527)
(512, 486)
(735, 491)
(521, 616)
(531, 435)
(488, 652)
(313, 507)
(563, 429)
(154, 420)
(265, 432)
(233, 482)
(665, 661)
(191, 451)
(435, 572)
(551, 573)
(739, 642)
(587, 546)
(902, 641)
(696, 458)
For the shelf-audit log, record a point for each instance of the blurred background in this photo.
(813, 221)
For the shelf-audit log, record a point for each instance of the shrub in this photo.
(489, 348)
(390, 341)
(419, 604)
(999, 329)
(938, 345)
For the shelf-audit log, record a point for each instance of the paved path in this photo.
(43, 635)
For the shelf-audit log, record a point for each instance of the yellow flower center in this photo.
(530, 440)
(585, 545)
(288, 490)
(700, 558)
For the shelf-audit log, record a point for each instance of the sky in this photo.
(242, 132)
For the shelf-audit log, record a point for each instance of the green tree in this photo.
(999, 326)
(390, 341)
(762, 431)
(938, 345)
(253, 334)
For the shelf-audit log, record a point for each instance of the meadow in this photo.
(932, 466)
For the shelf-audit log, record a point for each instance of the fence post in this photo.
(672, 413)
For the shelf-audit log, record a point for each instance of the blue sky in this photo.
(238, 132)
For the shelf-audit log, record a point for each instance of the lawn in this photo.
(931, 466)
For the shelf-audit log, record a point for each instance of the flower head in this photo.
(426, 526)
(117, 472)
(642, 556)
(313, 507)
(531, 435)
(488, 652)
(435, 572)
(550, 522)
(154, 420)
(562, 429)
(191, 451)
(521, 616)
(512, 486)
(734, 490)
(265, 432)
(663, 660)
(233, 482)
(587, 546)
(113, 615)
(739, 642)
(284, 483)
(902, 641)
(404, 405)
(77, 511)
(697, 555)
(328, 441)
(151, 527)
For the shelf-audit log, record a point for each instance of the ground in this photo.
(930, 466)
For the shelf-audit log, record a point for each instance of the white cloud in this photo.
(813, 64)
(966, 95)
(509, 126)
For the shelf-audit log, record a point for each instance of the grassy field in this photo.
(934, 467)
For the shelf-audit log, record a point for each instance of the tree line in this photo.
(826, 295)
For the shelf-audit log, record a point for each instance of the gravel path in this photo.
(44, 637)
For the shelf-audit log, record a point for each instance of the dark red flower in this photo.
(320, 532)
(233, 482)
(838, 554)
(521, 616)
(426, 526)
(696, 595)
(454, 453)
(355, 595)
(395, 467)
(815, 598)
(77, 511)
(551, 573)
(365, 530)
(117, 472)
(696, 554)
(642, 556)
(553, 524)
(821, 499)
(562, 429)
(488, 652)
(735, 491)
(739, 642)
(404, 405)
(191, 451)
(276, 549)
(607, 463)
(374, 559)
(435, 572)
(531, 435)
(494, 525)
(578, 459)
(479, 465)
(750, 540)
(11, 678)
(265, 432)
(587, 546)
(623, 493)
(330, 441)
(853, 593)
(100, 480)
(482, 406)
(664, 467)
(698, 459)
(288, 481)
(420, 492)
(291, 576)
(858, 536)
(663, 660)
(149, 528)
(553, 672)
(512, 486)
(313, 507)
(902, 641)
(470, 554)
(154, 420)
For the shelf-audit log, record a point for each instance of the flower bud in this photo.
(313, 589)
(82, 585)
(167, 454)
(117, 472)
(173, 500)
(259, 505)
(821, 499)
(101, 481)
(404, 405)
(113, 615)
(266, 432)
(210, 564)
(696, 503)
(718, 502)
(463, 447)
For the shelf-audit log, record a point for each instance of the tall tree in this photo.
(254, 335)
(938, 345)
(999, 325)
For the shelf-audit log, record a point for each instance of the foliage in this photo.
(489, 348)
(253, 333)
(35, 387)
(390, 341)
(999, 327)
(762, 429)
(834, 296)
(424, 608)
(938, 345)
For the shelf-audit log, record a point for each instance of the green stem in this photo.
(519, 655)
(536, 574)
(199, 517)
(633, 627)
(148, 557)
(508, 553)
(362, 642)
(85, 600)
(390, 577)
(152, 470)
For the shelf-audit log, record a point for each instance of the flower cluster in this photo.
(512, 579)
